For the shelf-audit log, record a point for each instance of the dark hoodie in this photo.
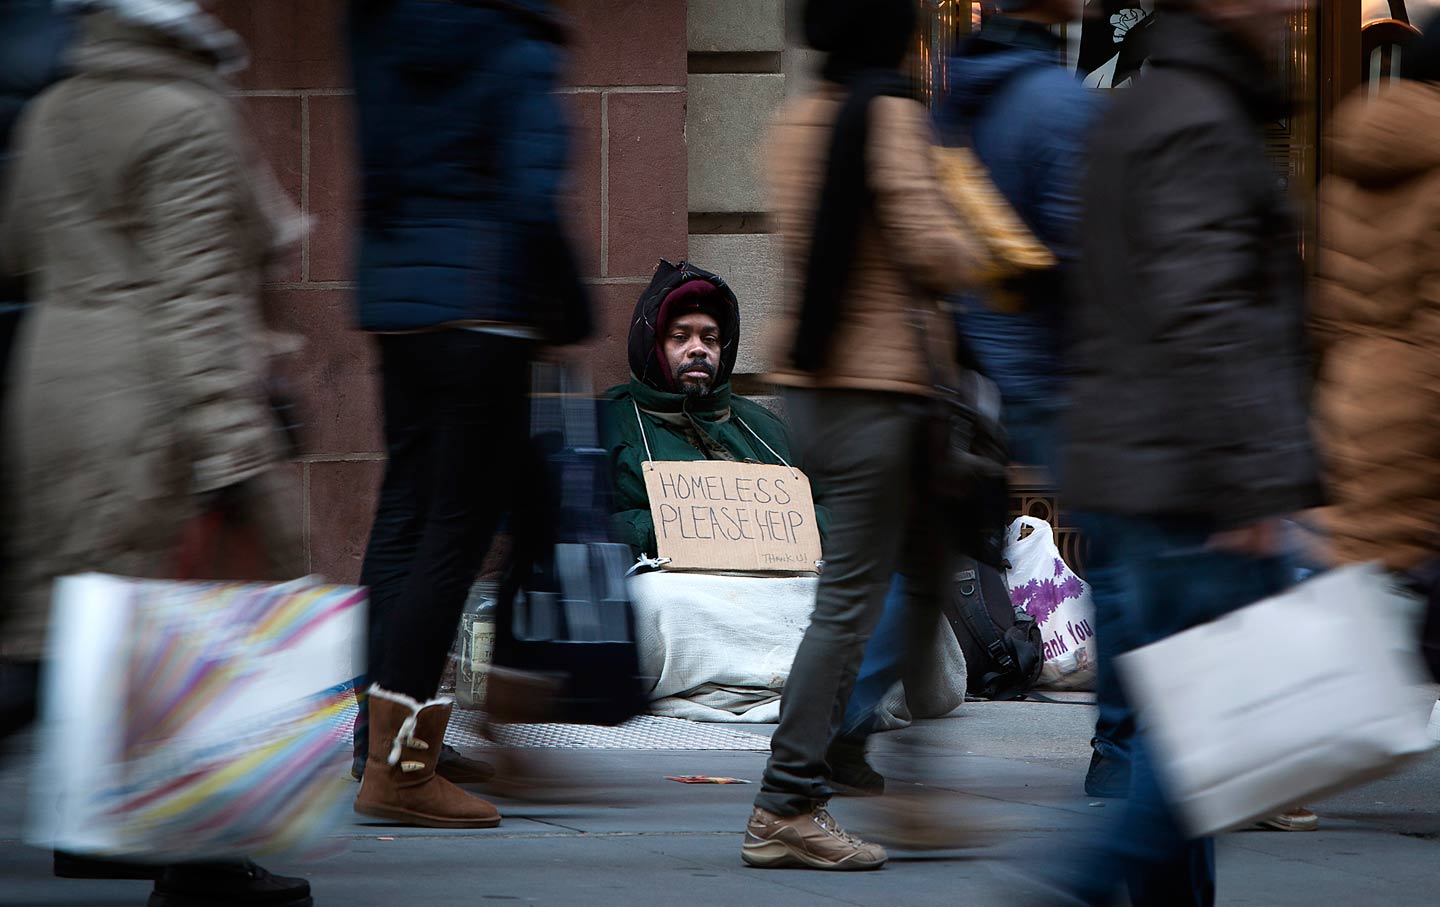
(1028, 119)
(646, 419)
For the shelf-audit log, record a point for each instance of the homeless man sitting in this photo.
(721, 646)
(684, 338)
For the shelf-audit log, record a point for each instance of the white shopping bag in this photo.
(1042, 584)
(1281, 702)
(194, 720)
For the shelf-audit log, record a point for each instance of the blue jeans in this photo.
(1112, 590)
(1113, 594)
(884, 664)
(1174, 582)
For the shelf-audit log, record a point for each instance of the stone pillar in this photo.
(628, 94)
(737, 84)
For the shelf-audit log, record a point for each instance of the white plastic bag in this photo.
(1048, 590)
(1284, 701)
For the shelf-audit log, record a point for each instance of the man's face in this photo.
(692, 348)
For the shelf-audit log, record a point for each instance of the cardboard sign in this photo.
(742, 517)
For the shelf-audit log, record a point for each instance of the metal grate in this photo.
(646, 732)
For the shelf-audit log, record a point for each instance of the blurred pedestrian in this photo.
(1028, 119)
(142, 221)
(871, 243)
(1377, 320)
(1187, 439)
(463, 268)
(1376, 324)
(33, 39)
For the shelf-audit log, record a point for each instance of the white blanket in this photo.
(721, 647)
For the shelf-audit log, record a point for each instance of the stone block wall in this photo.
(737, 68)
(628, 91)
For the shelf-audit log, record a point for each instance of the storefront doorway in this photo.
(1322, 51)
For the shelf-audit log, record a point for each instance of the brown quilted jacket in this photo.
(1377, 323)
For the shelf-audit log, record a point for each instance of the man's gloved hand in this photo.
(1258, 540)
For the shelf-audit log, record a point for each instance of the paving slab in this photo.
(617, 833)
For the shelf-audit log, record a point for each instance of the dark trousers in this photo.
(1173, 582)
(456, 430)
(868, 452)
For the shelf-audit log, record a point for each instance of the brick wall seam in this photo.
(604, 184)
(292, 92)
(621, 89)
(305, 185)
(311, 285)
(305, 515)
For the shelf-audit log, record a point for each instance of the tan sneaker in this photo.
(813, 840)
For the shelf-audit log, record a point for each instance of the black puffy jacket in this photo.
(1188, 355)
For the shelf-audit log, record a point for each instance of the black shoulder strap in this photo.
(967, 607)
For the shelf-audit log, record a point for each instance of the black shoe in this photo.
(1108, 778)
(221, 884)
(453, 766)
(850, 773)
(78, 866)
(458, 768)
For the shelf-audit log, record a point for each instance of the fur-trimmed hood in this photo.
(183, 21)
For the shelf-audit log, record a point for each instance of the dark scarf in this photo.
(691, 416)
(865, 40)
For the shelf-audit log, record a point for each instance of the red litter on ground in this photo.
(704, 779)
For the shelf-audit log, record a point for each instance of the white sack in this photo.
(721, 647)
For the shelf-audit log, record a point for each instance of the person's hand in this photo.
(1263, 539)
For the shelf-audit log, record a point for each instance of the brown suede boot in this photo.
(400, 783)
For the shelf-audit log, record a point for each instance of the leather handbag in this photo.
(1014, 252)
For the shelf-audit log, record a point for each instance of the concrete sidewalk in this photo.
(1014, 769)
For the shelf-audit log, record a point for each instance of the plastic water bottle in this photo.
(476, 644)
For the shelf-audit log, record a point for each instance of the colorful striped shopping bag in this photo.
(188, 720)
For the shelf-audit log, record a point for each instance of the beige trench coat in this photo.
(136, 210)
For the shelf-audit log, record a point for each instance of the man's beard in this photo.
(693, 388)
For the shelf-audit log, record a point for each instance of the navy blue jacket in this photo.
(463, 152)
(33, 39)
(1028, 119)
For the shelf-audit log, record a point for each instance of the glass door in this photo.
(1107, 49)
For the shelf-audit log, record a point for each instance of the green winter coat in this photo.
(721, 426)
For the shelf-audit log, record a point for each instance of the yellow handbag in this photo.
(1014, 250)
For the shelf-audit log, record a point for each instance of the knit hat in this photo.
(862, 32)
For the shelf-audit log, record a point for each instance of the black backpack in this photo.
(1002, 644)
